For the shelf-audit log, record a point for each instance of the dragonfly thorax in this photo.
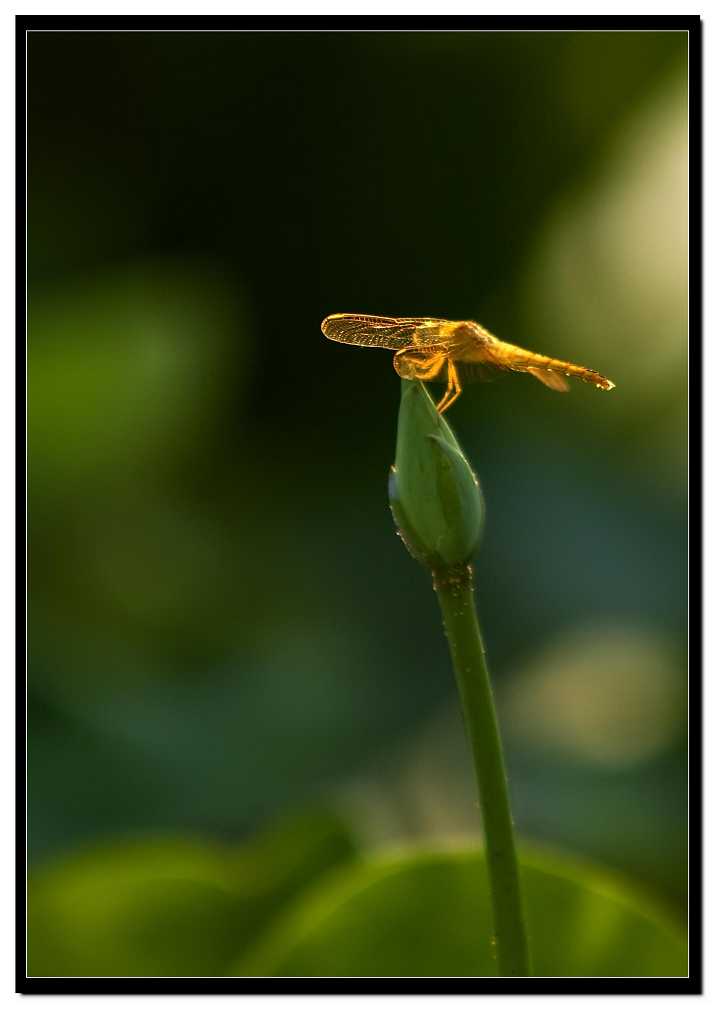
(468, 339)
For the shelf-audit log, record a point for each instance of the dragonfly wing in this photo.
(386, 331)
(552, 378)
(485, 372)
(477, 372)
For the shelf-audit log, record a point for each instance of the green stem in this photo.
(454, 590)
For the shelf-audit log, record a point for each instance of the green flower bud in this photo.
(434, 495)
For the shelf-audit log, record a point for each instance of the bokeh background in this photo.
(224, 628)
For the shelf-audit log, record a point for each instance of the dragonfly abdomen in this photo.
(574, 370)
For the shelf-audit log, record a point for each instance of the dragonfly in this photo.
(429, 349)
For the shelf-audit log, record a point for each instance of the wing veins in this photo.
(385, 331)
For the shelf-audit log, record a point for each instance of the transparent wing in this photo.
(481, 373)
(386, 331)
(550, 378)
(486, 372)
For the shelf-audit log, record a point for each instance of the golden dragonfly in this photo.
(427, 349)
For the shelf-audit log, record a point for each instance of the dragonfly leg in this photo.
(419, 364)
(453, 390)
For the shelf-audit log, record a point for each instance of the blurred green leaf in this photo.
(172, 906)
(124, 370)
(427, 914)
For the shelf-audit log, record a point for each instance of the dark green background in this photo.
(223, 626)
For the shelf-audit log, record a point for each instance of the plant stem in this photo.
(455, 594)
